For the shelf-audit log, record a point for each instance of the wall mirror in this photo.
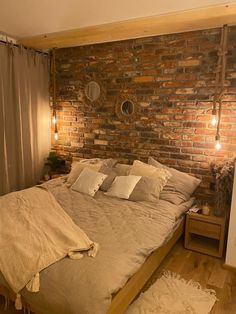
(92, 91)
(126, 108)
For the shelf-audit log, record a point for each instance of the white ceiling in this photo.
(23, 18)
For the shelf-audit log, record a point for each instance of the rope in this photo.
(220, 77)
(218, 70)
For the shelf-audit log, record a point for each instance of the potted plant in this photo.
(55, 164)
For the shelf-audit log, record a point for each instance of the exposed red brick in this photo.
(172, 77)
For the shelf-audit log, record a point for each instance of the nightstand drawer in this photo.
(206, 229)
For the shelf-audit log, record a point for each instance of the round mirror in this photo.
(92, 91)
(127, 108)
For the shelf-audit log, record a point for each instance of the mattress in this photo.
(128, 232)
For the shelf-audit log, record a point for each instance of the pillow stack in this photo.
(179, 187)
(143, 183)
(139, 182)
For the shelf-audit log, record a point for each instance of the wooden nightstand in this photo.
(206, 233)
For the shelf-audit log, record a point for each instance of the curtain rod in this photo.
(5, 42)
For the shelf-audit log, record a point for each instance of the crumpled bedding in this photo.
(127, 233)
(35, 232)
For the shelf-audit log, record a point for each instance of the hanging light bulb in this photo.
(56, 136)
(214, 119)
(54, 119)
(218, 144)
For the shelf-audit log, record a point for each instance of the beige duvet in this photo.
(127, 233)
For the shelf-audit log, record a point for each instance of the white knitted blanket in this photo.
(172, 295)
(36, 232)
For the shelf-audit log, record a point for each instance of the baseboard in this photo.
(231, 268)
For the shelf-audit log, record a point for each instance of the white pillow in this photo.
(123, 186)
(88, 182)
(76, 170)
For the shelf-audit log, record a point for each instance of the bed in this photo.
(134, 237)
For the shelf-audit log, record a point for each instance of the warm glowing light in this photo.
(56, 136)
(54, 120)
(214, 120)
(218, 145)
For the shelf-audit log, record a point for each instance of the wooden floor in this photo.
(208, 271)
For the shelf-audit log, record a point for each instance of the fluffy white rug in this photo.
(173, 295)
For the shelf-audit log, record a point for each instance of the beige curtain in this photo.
(24, 117)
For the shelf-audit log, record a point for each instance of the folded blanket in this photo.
(36, 232)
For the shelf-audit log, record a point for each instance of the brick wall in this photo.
(172, 77)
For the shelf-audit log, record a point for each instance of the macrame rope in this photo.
(218, 70)
(220, 85)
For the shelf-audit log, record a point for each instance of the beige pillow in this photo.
(141, 169)
(110, 162)
(123, 186)
(147, 189)
(179, 187)
(88, 182)
(122, 169)
(77, 168)
(111, 175)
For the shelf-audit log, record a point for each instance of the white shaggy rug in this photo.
(173, 295)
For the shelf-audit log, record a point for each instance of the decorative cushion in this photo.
(88, 181)
(111, 174)
(147, 189)
(110, 162)
(179, 187)
(123, 186)
(77, 168)
(122, 169)
(141, 169)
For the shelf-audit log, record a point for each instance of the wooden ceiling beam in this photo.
(184, 21)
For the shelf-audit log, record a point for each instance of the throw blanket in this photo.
(36, 232)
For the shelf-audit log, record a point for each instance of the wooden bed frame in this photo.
(134, 285)
(123, 298)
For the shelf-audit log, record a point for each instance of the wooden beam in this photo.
(203, 18)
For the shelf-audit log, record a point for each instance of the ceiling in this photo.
(26, 18)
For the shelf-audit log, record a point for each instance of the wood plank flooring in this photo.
(207, 270)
